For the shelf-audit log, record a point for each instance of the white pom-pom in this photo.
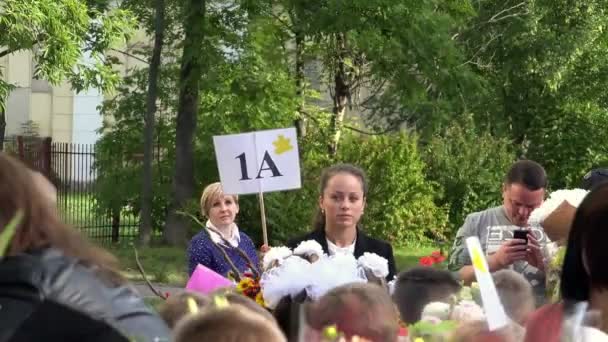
(574, 197)
(374, 263)
(309, 247)
(275, 254)
(289, 279)
(331, 272)
(437, 310)
(466, 311)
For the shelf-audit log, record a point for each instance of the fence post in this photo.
(46, 156)
(115, 225)
(20, 148)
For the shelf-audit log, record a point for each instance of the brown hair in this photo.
(41, 226)
(515, 294)
(419, 286)
(176, 306)
(211, 192)
(329, 173)
(585, 260)
(234, 323)
(237, 298)
(360, 309)
(527, 173)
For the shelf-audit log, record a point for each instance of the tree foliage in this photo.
(59, 33)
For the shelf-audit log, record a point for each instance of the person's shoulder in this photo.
(545, 323)
(473, 220)
(484, 214)
(200, 238)
(245, 239)
(374, 244)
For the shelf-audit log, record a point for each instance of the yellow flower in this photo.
(259, 298)
(244, 284)
(419, 339)
(330, 332)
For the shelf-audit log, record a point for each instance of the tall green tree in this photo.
(59, 33)
(145, 229)
(546, 64)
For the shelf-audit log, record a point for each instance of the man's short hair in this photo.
(515, 293)
(527, 173)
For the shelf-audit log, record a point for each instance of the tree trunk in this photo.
(341, 95)
(2, 127)
(301, 119)
(145, 228)
(190, 75)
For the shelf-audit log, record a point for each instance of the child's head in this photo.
(234, 323)
(358, 309)
(176, 306)
(237, 298)
(419, 286)
(515, 294)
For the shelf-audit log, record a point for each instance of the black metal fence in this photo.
(71, 169)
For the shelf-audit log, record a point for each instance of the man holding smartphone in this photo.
(504, 232)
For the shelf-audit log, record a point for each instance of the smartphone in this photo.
(521, 234)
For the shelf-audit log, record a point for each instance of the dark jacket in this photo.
(363, 244)
(29, 282)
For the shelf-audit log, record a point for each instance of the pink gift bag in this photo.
(205, 280)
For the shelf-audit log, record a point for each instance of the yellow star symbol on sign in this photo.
(478, 261)
(282, 144)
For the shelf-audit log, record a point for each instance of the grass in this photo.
(162, 264)
(407, 257)
(167, 265)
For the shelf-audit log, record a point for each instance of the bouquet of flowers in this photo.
(556, 215)
(307, 268)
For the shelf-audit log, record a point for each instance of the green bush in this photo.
(400, 205)
(469, 167)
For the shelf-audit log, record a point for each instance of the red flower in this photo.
(426, 261)
(167, 294)
(437, 257)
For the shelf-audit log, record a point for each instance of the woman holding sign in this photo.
(221, 238)
(342, 199)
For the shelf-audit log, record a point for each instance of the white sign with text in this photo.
(262, 161)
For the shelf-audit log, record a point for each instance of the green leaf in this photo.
(9, 231)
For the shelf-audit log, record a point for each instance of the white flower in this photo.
(438, 310)
(431, 319)
(288, 279)
(331, 272)
(307, 248)
(275, 254)
(467, 310)
(375, 263)
(574, 197)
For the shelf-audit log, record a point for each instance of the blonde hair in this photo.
(234, 323)
(211, 192)
(176, 306)
(515, 293)
(46, 188)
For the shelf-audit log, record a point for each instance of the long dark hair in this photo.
(41, 226)
(586, 241)
(319, 218)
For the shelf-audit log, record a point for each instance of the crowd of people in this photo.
(55, 285)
